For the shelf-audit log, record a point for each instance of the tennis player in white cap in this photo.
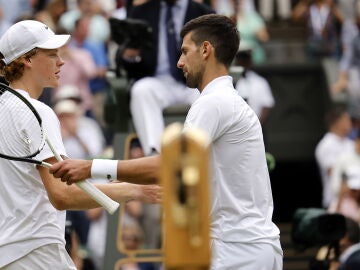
(32, 225)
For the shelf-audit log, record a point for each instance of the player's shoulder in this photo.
(42, 108)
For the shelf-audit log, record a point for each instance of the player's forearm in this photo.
(73, 198)
(139, 171)
(142, 170)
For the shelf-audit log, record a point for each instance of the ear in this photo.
(206, 49)
(26, 61)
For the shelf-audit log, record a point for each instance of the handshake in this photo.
(131, 182)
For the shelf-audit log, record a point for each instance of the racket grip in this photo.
(110, 205)
(100, 197)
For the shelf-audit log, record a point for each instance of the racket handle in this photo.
(110, 205)
(100, 197)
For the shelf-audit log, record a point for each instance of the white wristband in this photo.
(104, 168)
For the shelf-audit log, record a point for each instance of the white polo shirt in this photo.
(27, 218)
(242, 203)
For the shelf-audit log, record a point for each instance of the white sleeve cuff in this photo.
(104, 168)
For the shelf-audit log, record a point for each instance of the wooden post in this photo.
(184, 177)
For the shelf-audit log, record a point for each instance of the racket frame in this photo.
(110, 205)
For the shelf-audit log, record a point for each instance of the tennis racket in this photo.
(24, 137)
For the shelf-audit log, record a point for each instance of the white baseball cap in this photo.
(26, 35)
(67, 91)
(66, 106)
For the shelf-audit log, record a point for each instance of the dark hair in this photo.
(219, 30)
(334, 115)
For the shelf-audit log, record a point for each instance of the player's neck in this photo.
(212, 72)
(27, 86)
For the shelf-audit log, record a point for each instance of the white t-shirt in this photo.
(327, 154)
(256, 91)
(242, 203)
(28, 219)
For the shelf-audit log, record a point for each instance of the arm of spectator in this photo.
(336, 11)
(341, 84)
(300, 9)
(336, 179)
(262, 34)
(338, 15)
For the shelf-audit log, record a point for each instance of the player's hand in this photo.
(135, 192)
(148, 193)
(72, 170)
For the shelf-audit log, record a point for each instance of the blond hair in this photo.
(15, 69)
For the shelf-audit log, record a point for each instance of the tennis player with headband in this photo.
(32, 222)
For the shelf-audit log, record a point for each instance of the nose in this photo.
(60, 62)
(180, 63)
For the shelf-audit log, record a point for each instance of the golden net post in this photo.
(184, 177)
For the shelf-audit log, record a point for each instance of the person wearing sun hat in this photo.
(32, 224)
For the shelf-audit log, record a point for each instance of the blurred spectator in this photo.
(148, 216)
(332, 145)
(123, 6)
(120, 11)
(253, 88)
(159, 82)
(133, 148)
(225, 7)
(4, 23)
(253, 31)
(323, 19)
(73, 245)
(350, 247)
(99, 85)
(132, 237)
(349, 74)
(99, 29)
(15, 8)
(81, 135)
(275, 9)
(79, 69)
(349, 8)
(97, 233)
(51, 14)
(83, 139)
(345, 181)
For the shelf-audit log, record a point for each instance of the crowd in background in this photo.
(331, 33)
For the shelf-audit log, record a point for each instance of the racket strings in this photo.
(21, 134)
